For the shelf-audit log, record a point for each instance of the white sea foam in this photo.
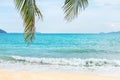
(68, 61)
(100, 66)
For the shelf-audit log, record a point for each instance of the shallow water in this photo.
(62, 52)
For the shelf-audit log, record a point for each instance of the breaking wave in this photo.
(92, 62)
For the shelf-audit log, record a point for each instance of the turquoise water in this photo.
(71, 50)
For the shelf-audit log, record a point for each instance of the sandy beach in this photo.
(21, 75)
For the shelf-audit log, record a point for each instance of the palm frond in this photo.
(72, 8)
(28, 10)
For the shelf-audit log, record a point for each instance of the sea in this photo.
(78, 53)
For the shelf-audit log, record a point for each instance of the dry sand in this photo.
(20, 75)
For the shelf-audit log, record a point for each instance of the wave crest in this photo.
(64, 61)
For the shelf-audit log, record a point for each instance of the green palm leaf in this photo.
(72, 7)
(28, 10)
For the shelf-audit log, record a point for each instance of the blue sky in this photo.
(99, 16)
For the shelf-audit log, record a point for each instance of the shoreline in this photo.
(28, 75)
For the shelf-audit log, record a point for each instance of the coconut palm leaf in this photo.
(28, 10)
(72, 7)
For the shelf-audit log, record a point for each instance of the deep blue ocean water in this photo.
(74, 51)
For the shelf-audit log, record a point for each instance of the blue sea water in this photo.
(62, 52)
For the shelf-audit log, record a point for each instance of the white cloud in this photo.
(107, 2)
(7, 3)
(115, 26)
